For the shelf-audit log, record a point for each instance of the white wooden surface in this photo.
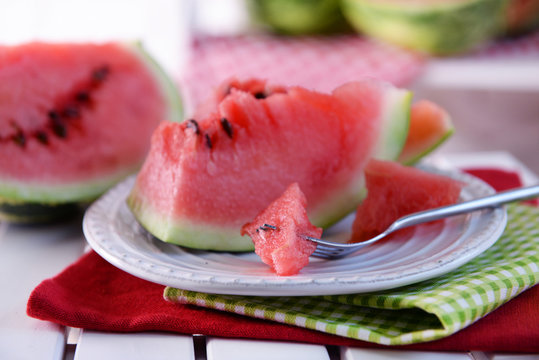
(377, 354)
(140, 346)
(29, 254)
(220, 349)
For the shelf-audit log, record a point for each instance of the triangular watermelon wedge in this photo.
(205, 178)
(430, 126)
(395, 190)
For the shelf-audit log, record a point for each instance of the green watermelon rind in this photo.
(14, 192)
(414, 159)
(17, 193)
(394, 124)
(298, 17)
(187, 234)
(436, 140)
(439, 28)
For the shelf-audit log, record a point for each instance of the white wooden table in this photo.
(29, 255)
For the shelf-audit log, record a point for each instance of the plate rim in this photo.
(97, 227)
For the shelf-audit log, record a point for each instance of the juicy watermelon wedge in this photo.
(75, 119)
(430, 126)
(278, 233)
(395, 190)
(203, 179)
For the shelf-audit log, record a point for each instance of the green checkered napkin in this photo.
(421, 312)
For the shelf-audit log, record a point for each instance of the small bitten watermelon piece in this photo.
(74, 120)
(206, 177)
(430, 126)
(278, 233)
(395, 190)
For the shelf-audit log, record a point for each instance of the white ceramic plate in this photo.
(432, 250)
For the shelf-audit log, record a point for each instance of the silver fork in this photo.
(334, 250)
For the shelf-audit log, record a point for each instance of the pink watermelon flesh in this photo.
(205, 178)
(260, 89)
(74, 118)
(278, 233)
(394, 190)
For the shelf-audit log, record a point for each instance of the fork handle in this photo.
(490, 201)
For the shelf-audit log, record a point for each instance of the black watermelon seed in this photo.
(19, 138)
(208, 141)
(82, 96)
(260, 95)
(268, 227)
(71, 112)
(42, 137)
(192, 123)
(100, 74)
(59, 129)
(54, 115)
(227, 127)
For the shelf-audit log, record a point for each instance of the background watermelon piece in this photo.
(74, 120)
(441, 27)
(430, 126)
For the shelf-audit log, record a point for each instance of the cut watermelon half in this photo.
(395, 190)
(430, 126)
(203, 179)
(74, 120)
(279, 231)
(439, 27)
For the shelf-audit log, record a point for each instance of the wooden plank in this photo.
(515, 357)
(29, 254)
(134, 346)
(244, 349)
(348, 353)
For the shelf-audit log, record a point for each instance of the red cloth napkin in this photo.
(93, 294)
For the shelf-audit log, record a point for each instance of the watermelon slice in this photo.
(395, 190)
(440, 27)
(204, 178)
(298, 17)
(430, 126)
(278, 233)
(74, 120)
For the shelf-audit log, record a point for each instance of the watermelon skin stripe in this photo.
(441, 28)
